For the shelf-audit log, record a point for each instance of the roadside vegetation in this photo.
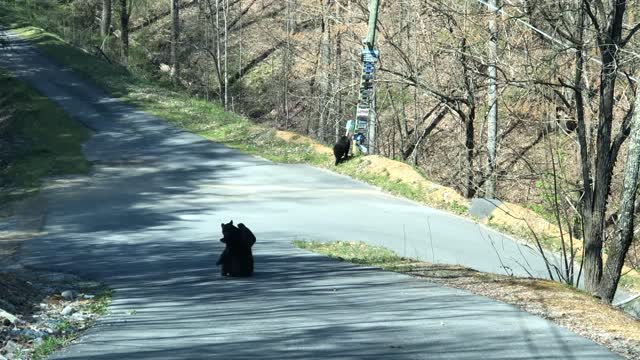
(561, 304)
(42, 312)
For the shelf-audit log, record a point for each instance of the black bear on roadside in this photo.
(237, 257)
(341, 149)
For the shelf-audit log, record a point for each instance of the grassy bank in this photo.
(41, 140)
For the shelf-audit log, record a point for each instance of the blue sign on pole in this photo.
(368, 68)
(370, 55)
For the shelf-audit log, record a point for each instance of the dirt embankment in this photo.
(512, 218)
(396, 171)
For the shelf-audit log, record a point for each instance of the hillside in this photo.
(293, 66)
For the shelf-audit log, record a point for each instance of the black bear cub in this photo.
(237, 258)
(341, 149)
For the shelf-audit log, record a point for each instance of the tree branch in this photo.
(443, 111)
(630, 35)
(592, 16)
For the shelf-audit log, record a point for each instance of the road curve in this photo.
(146, 222)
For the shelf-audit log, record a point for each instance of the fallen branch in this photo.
(624, 302)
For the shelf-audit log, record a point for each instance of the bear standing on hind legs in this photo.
(237, 257)
(341, 149)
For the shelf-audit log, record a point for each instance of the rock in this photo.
(68, 310)
(68, 295)
(6, 316)
(78, 317)
(3, 358)
(32, 333)
(482, 208)
(10, 348)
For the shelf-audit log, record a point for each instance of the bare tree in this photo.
(325, 66)
(607, 21)
(618, 247)
(175, 38)
(225, 41)
(492, 103)
(105, 21)
(286, 61)
(125, 13)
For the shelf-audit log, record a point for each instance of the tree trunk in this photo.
(608, 45)
(226, 53)
(325, 55)
(619, 245)
(105, 23)
(286, 62)
(469, 143)
(412, 148)
(124, 29)
(175, 36)
(492, 103)
(220, 72)
(585, 200)
(468, 116)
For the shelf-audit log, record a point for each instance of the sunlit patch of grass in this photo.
(355, 252)
(48, 346)
(100, 303)
(50, 140)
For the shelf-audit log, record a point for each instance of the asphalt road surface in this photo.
(147, 222)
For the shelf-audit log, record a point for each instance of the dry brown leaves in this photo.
(567, 307)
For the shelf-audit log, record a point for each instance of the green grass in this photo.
(360, 253)
(14, 15)
(457, 208)
(354, 167)
(100, 303)
(629, 282)
(355, 252)
(48, 346)
(50, 140)
(63, 326)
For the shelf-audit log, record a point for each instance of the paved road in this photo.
(146, 221)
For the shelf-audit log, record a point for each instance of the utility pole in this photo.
(492, 102)
(370, 40)
(365, 113)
